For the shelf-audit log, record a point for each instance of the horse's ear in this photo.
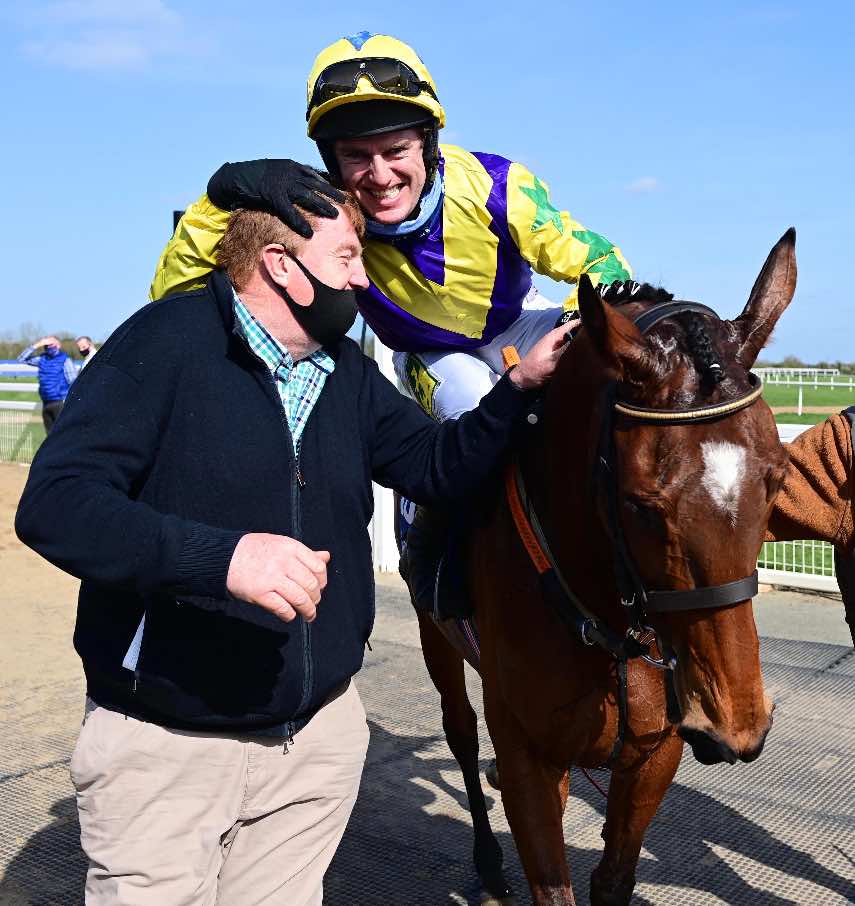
(614, 336)
(772, 293)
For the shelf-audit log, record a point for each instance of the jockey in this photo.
(452, 235)
(452, 238)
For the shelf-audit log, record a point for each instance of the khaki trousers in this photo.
(170, 818)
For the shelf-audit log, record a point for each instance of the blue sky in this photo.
(692, 135)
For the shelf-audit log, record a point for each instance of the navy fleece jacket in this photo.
(173, 444)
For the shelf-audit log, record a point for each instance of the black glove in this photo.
(275, 186)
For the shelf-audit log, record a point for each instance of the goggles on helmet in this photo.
(386, 74)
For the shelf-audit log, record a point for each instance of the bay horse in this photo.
(621, 552)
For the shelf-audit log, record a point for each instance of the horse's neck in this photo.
(557, 467)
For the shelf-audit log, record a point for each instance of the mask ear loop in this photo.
(315, 281)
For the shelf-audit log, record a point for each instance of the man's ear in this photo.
(275, 263)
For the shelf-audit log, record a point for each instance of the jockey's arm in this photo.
(285, 188)
(555, 244)
(191, 254)
(815, 501)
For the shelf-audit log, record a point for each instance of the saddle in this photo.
(432, 564)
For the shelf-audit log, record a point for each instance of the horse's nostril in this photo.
(753, 753)
(706, 748)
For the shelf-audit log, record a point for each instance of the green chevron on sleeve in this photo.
(598, 246)
(546, 211)
(610, 270)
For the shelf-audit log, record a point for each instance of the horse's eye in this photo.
(642, 511)
(636, 506)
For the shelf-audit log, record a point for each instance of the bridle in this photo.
(638, 601)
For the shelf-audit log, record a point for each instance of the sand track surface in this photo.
(38, 605)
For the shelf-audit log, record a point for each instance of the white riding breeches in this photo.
(447, 384)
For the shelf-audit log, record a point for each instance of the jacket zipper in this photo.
(296, 531)
(296, 488)
(305, 628)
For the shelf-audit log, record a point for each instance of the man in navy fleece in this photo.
(215, 504)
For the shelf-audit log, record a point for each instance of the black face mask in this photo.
(331, 313)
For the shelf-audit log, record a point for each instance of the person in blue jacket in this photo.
(56, 375)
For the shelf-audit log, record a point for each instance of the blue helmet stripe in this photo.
(358, 39)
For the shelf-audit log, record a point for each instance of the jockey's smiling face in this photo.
(385, 172)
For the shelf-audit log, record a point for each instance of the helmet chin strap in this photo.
(328, 157)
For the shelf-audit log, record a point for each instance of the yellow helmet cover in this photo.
(365, 46)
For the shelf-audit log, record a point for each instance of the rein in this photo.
(637, 600)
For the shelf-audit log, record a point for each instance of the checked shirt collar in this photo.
(299, 385)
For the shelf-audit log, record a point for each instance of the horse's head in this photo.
(690, 495)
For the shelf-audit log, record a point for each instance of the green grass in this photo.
(778, 395)
(19, 395)
(36, 432)
(806, 418)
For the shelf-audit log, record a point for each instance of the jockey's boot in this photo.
(431, 565)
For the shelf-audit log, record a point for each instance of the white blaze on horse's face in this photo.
(724, 470)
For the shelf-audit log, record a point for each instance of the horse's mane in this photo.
(692, 341)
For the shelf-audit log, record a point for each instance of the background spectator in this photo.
(87, 349)
(56, 375)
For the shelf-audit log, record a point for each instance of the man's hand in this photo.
(539, 363)
(279, 574)
(275, 186)
(46, 341)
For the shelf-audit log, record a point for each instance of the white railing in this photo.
(801, 564)
(18, 368)
(19, 387)
(383, 546)
(816, 382)
(772, 373)
(20, 430)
